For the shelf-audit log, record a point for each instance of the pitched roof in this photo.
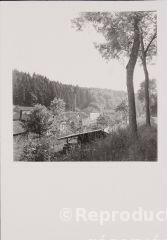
(82, 133)
(23, 108)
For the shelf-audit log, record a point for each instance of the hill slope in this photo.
(31, 89)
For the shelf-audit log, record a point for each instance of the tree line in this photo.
(29, 90)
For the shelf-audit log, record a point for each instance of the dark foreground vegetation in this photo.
(120, 147)
(117, 146)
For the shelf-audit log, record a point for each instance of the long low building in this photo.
(86, 136)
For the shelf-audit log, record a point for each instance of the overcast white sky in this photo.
(41, 40)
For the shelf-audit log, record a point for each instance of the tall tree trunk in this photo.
(131, 104)
(129, 80)
(147, 98)
(146, 87)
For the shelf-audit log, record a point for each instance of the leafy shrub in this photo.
(39, 120)
(148, 142)
(37, 150)
(118, 146)
(57, 106)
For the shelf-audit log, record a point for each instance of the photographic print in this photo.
(85, 86)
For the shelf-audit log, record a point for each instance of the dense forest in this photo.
(31, 89)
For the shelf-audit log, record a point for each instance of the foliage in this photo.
(148, 31)
(29, 90)
(118, 146)
(37, 150)
(148, 142)
(152, 95)
(39, 120)
(105, 99)
(121, 32)
(117, 29)
(57, 107)
(123, 109)
(148, 35)
(43, 91)
(74, 123)
(104, 120)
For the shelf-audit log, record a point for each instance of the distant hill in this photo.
(31, 89)
(105, 99)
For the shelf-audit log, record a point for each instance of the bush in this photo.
(39, 120)
(118, 146)
(148, 141)
(37, 150)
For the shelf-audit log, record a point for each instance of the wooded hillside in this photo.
(31, 89)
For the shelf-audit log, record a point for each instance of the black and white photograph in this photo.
(83, 120)
(85, 86)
